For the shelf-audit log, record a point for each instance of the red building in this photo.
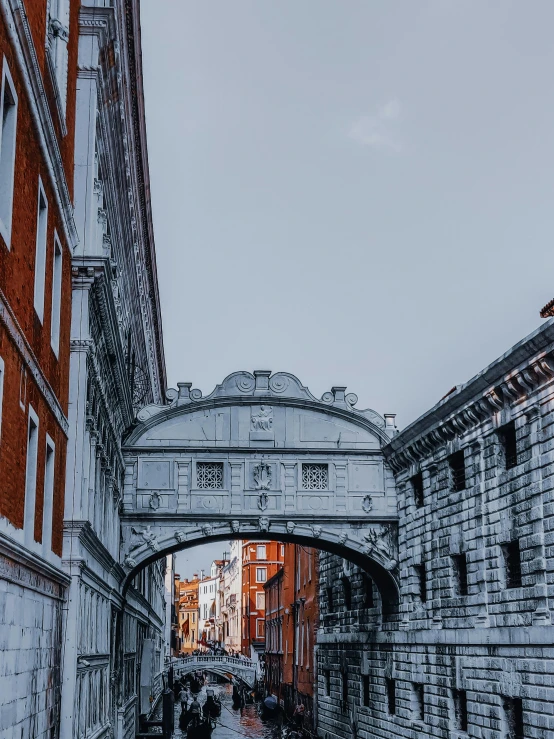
(37, 234)
(260, 561)
(292, 619)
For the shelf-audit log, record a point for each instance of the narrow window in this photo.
(261, 553)
(327, 676)
(48, 495)
(260, 601)
(330, 604)
(513, 715)
(344, 690)
(512, 563)
(40, 254)
(390, 687)
(422, 582)
(418, 702)
(8, 123)
(58, 37)
(261, 574)
(260, 628)
(31, 477)
(509, 442)
(56, 296)
(1, 392)
(417, 487)
(369, 601)
(282, 550)
(459, 567)
(365, 690)
(460, 709)
(457, 466)
(347, 591)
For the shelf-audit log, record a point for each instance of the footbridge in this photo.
(261, 458)
(220, 665)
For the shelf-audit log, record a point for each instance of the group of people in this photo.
(191, 709)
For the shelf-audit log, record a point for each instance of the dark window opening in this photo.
(347, 592)
(417, 487)
(422, 581)
(512, 563)
(457, 465)
(344, 691)
(330, 600)
(513, 712)
(509, 442)
(459, 565)
(460, 709)
(369, 601)
(365, 689)
(327, 676)
(418, 702)
(390, 687)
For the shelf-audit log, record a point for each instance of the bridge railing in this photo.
(213, 658)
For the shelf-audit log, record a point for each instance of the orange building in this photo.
(292, 619)
(260, 561)
(188, 615)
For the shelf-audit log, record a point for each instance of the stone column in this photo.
(73, 621)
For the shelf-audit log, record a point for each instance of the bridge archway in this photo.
(260, 458)
(241, 668)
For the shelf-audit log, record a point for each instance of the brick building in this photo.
(260, 561)
(292, 620)
(468, 650)
(38, 61)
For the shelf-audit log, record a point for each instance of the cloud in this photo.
(377, 130)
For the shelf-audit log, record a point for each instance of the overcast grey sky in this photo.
(360, 193)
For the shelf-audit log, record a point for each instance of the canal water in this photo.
(232, 723)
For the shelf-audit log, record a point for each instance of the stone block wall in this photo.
(30, 643)
(470, 653)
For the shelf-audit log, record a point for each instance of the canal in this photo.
(232, 723)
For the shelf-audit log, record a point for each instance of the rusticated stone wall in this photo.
(470, 651)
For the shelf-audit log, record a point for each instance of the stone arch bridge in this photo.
(261, 458)
(220, 665)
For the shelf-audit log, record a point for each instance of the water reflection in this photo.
(233, 723)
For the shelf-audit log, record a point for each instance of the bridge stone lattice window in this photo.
(209, 475)
(315, 476)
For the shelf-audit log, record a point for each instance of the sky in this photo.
(359, 193)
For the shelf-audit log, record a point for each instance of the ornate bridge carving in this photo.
(220, 665)
(260, 458)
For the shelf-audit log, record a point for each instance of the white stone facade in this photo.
(114, 648)
(231, 607)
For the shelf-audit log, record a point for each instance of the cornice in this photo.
(510, 380)
(21, 38)
(90, 541)
(13, 550)
(134, 55)
(7, 317)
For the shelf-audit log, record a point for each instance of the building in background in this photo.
(231, 605)
(38, 68)
(209, 605)
(292, 620)
(113, 646)
(260, 561)
(188, 615)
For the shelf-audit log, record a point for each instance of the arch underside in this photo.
(381, 568)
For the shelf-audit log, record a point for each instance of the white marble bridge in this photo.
(218, 664)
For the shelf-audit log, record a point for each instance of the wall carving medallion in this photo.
(263, 523)
(180, 536)
(235, 527)
(367, 503)
(154, 501)
(263, 501)
(262, 476)
(290, 527)
(262, 420)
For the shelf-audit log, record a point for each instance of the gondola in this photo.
(212, 706)
(270, 707)
(200, 728)
(195, 686)
(238, 700)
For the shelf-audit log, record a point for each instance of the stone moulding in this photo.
(498, 387)
(258, 389)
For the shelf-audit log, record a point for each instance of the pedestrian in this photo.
(183, 698)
